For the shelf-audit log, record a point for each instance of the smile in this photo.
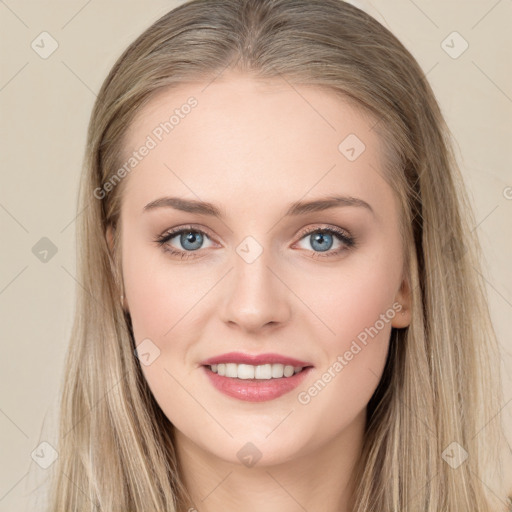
(259, 372)
(255, 383)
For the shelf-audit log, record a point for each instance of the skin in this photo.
(253, 148)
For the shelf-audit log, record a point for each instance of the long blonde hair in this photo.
(441, 383)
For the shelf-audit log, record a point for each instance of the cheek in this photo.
(158, 295)
(356, 309)
(356, 349)
(355, 297)
(357, 304)
(160, 301)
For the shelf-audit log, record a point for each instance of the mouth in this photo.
(251, 372)
(255, 383)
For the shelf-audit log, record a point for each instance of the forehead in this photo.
(240, 135)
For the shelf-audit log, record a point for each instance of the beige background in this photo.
(46, 103)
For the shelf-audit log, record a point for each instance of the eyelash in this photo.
(341, 235)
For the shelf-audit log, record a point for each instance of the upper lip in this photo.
(255, 359)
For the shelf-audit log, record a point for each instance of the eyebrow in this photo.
(294, 209)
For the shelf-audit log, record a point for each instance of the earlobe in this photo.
(402, 306)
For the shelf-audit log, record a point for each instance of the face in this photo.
(256, 272)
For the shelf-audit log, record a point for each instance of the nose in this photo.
(255, 297)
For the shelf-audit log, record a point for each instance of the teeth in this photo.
(260, 372)
(277, 371)
(263, 371)
(231, 370)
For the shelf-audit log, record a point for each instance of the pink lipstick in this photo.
(255, 378)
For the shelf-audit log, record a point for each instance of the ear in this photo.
(403, 298)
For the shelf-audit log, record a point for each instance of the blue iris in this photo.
(192, 237)
(320, 237)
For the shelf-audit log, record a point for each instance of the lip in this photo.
(255, 359)
(252, 390)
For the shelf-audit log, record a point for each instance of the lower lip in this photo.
(251, 390)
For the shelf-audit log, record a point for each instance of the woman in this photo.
(280, 306)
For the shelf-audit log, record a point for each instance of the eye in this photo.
(190, 238)
(322, 240)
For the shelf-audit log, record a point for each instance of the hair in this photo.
(441, 381)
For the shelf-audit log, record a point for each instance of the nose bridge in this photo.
(255, 297)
